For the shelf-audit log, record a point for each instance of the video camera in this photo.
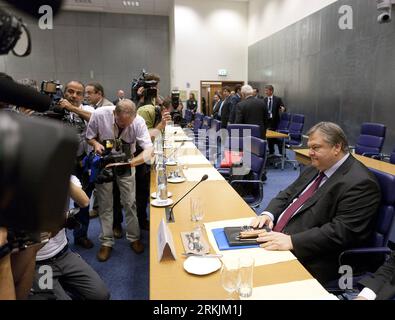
(54, 90)
(37, 155)
(150, 87)
(123, 156)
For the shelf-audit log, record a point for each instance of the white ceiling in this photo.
(151, 7)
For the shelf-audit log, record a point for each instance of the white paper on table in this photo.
(261, 256)
(195, 174)
(309, 289)
(195, 159)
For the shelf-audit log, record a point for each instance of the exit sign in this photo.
(222, 72)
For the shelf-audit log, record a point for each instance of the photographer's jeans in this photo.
(127, 188)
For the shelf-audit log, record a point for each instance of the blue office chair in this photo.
(283, 124)
(199, 116)
(295, 136)
(250, 187)
(369, 258)
(236, 132)
(387, 157)
(371, 139)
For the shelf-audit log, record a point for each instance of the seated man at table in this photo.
(329, 208)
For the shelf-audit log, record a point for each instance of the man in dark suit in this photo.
(224, 110)
(120, 97)
(251, 110)
(216, 105)
(274, 105)
(329, 208)
(235, 99)
(381, 285)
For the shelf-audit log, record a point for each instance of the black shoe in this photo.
(83, 242)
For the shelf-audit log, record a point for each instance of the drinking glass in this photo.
(197, 213)
(230, 275)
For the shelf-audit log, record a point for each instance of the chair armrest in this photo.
(363, 250)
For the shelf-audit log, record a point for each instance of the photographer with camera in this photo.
(155, 119)
(71, 275)
(73, 102)
(124, 128)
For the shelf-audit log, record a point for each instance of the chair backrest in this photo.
(206, 122)
(285, 120)
(254, 130)
(392, 157)
(188, 115)
(215, 124)
(199, 116)
(258, 157)
(386, 213)
(295, 129)
(371, 138)
(197, 124)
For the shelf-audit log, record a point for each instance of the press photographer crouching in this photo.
(122, 125)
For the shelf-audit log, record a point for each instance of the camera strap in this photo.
(5, 249)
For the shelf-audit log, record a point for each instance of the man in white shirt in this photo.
(120, 123)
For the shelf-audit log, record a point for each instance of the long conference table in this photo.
(302, 156)
(168, 279)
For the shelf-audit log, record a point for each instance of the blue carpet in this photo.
(127, 274)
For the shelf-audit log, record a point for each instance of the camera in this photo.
(386, 7)
(149, 82)
(104, 174)
(12, 31)
(175, 98)
(54, 90)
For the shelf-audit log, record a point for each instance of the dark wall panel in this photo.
(105, 47)
(329, 74)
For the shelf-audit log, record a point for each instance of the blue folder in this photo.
(223, 244)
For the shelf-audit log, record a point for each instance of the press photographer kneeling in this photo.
(121, 125)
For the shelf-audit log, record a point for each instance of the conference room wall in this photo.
(105, 47)
(326, 73)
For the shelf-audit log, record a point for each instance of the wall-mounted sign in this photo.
(222, 72)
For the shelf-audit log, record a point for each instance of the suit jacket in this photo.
(382, 282)
(104, 103)
(216, 108)
(276, 104)
(340, 215)
(253, 111)
(235, 99)
(225, 112)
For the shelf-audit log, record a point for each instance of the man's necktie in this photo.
(270, 107)
(290, 211)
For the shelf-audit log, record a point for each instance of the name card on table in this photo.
(165, 242)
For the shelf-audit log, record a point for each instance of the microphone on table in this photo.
(169, 211)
